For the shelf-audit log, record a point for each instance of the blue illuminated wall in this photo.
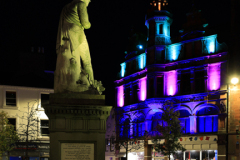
(141, 64)
(123, 69)
(210, 43)
(142, 61)
(173, 51)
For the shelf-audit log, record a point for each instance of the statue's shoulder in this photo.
(81, 4)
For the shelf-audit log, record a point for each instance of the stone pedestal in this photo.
(77, 125)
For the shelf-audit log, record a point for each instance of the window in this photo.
(135, 93)
(188, 49)
(44, 99)
(185, 124)
(125, 129)
(197, 48)
(208, 154)
(127, 96)
(207, 120)
(151, 88)
(161, 29)
(185, 85)
(199, 82)
(44, 128)
(12, 121)
(156, 120)
(11, 98)
(138, 127)
(160, 86)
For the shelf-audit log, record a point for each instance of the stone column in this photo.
(77, 125)
(201, 155)
(147, 151)
(193, 124)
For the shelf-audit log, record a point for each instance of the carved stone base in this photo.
(77, 126)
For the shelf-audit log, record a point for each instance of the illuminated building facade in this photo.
(190, 73)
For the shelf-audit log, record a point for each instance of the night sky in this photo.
(34, 23)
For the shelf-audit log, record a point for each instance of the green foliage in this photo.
(171, 131)
(8, 135)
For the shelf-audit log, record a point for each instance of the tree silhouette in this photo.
(28, 127)
(170, 130)
(8, 135)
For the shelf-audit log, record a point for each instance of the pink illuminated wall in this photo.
(214, 76)
(120, 96)
(170, 83)
(143, 89)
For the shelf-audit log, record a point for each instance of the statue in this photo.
(73, 50)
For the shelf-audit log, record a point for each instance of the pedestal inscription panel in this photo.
(77, 151)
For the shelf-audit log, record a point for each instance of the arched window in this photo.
(183, 113)
(138, 126)
(207, 119)
(156, 120)
(207, 111)
(184, 120)
(125, 129)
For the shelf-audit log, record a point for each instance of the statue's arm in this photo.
(83, 15)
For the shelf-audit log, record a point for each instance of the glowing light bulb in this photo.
(234, 80)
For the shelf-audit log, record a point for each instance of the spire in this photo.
(159, 5)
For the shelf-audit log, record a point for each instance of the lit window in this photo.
(44, 128)
(150, 3)
(155, 4)
(166, 4)
(165, 1)
(163, 4)
(159, 6)
(11, 98)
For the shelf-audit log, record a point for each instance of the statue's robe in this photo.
(71, 45)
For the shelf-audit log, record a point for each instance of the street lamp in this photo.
(234, 81)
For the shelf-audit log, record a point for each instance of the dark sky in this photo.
(27, 23)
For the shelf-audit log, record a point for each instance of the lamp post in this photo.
(234, 81)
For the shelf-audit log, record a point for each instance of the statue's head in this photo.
(87, 2)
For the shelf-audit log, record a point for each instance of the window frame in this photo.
(4, 105)
(40, 123)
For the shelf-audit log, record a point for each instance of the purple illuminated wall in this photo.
(193, 124)
(120, 96)
(143, 89)
(170, 83)
(214, 76)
